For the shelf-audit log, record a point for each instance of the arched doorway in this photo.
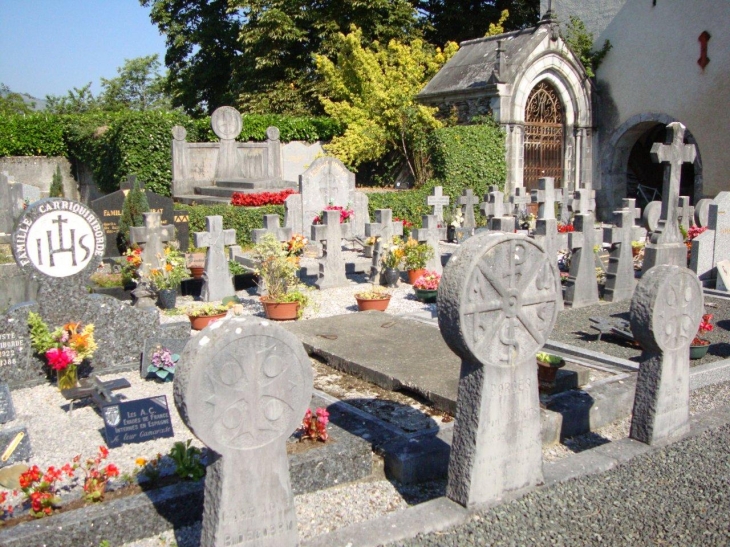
(544, 139)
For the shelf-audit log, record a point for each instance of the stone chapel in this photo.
(670, 61)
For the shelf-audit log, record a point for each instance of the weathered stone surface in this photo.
(438, 201)
(665, 312)
(227, 124)
(7, 410)
(153, 235)
(723, 275)
(331, 265)
(651, 215)
(582, 288)
(218, 280)
(243, 387)
(620, 280)
(498, 301)
(14, 446)
(468, 200)
(271, 226)
(702, 212)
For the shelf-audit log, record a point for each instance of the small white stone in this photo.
(204, 341)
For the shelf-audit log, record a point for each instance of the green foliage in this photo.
(76, 101)
(41, 338)
(469, 156)
(56, 190)
(580, 41)
(407, 205)
(371, 92)
(31, 135)
(139, 86)
(13, 103)
(277, 272)
(291, 128)
(187, 461)
(135, 203)
(241, 219)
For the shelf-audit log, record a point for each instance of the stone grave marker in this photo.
(667, 245)
(14, 446)
(438, 201)
(723, 275)
(702, 212)
(12, 200)
(498, 302)
(685, 212)
(582, 288)
(385, 229)
(519, 198)
(620, 279)
(431, 233)
(546, 226)
(242, 388)
(326, 182)
(226, 123)
(652, 213)
(7, 410)
(217, 279)
(566, 198)
(271, 226)
(665, 311)
(468, 200)
(175, 345)
(498, 217)
(712, 244)
(60, 243)
(331, 265)
(153, 235)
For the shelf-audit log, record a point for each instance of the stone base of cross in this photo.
(431, 233)
(218, 281)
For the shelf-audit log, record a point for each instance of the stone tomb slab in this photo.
(7, 410)
(388, 351)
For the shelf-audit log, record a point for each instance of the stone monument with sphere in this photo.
(498, 301)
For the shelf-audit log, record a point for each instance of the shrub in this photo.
(56, 190)
(241, 219)
(32, 135)
(135, 203)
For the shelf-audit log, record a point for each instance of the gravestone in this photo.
(685, 212)
(582, 288)
(498, 302)
(331, 265)
(519, 198)
(665, 311)
(723, 275)
(226, 124)
(620, 279)
(546, 226)
(712, 244)
(217, 278)
(431, 234)
(7, 410)
(60, 243)
(493, 204)
(109, 209)
(702, 212)
(175, 345)
(153, 235)
(385, 229)
(13, 196)
(271, 226)
(651, 215)
(326, 182)
(438, 201)
(667, 244)
(242, 388)
(468, 200)
(566, 199)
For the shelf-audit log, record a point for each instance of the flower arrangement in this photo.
(132, 260)
(170, 270)
(393, 254)
(149, 468)
(565, 228)
(96, 477)
(345, 213)
(277, 268)
(407, 226)
(375, 293)
(416, 255)
(66, 346)
(372, 240)
(457, 218)
(295, 246)
(314, 425)
(163, 363)
(705, 326)
(261, 198)
(207, 309)
(429, 281)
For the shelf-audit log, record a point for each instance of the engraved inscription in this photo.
(10, 349)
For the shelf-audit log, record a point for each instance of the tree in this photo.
(460, 20)
(139, 86)
(580, 42)
(13, 103)
(56, 190)
(135, 203)
(76, 101)
(371, 91)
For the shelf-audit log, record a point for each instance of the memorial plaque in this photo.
(14, 446)
(137, 421)
(7, 410)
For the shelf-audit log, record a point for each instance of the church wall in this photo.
(596, 15)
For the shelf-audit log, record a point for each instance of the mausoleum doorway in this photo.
(544, 136)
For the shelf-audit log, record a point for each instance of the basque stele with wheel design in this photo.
(508, 299)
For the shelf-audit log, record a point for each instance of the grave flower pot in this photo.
(390, 277)
(202, 321)
(698, 352)
(367, 304)
(415, 274)
(67, 378)
(451, 234)
(280, 311)
(197, 271)
(426, 296)
(367, 251)
(167, 298)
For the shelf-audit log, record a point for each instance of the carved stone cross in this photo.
(493, 205)
(218, 281)
(544, 196)
(620, 280)
(385, 229)
(438, 201)
(584, 201)
(582, 288)
(331, 265)
(468, 200)
(431, 234)
(519, 198)
(153, 234)
(271, 226)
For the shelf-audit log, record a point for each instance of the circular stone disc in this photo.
(226, 122)
(498, 299)
(179, 133)
(666, 308)
(58, 238)
(242, 383)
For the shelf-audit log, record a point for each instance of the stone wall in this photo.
(38, 171)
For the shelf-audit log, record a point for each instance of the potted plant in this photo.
(415, 257)
(163, 363)
(699, 346)
(170, 270)
(131, 261)
(202, 315)
(377, 298)
(426, 286)
(64, 348)
(195, 259)
(637, 247)
(547, 369)
(391, 260)
(277, 271)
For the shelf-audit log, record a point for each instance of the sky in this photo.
(48, 47)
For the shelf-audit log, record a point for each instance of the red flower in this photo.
(60, 358)
(261, 198)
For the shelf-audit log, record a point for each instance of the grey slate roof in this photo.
(472, 66)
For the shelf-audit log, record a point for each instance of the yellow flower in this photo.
(141, 462)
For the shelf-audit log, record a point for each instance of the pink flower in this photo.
(60, 358)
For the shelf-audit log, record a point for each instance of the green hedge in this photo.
(406, 204)
(291, 128)
(242, 219)
(468, 156)
(32, 135)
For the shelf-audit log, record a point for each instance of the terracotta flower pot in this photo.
(280, 311)
(197, 271)
(415, 274)
(202, 321)
(377, 304)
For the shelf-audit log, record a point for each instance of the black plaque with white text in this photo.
(137, 421)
